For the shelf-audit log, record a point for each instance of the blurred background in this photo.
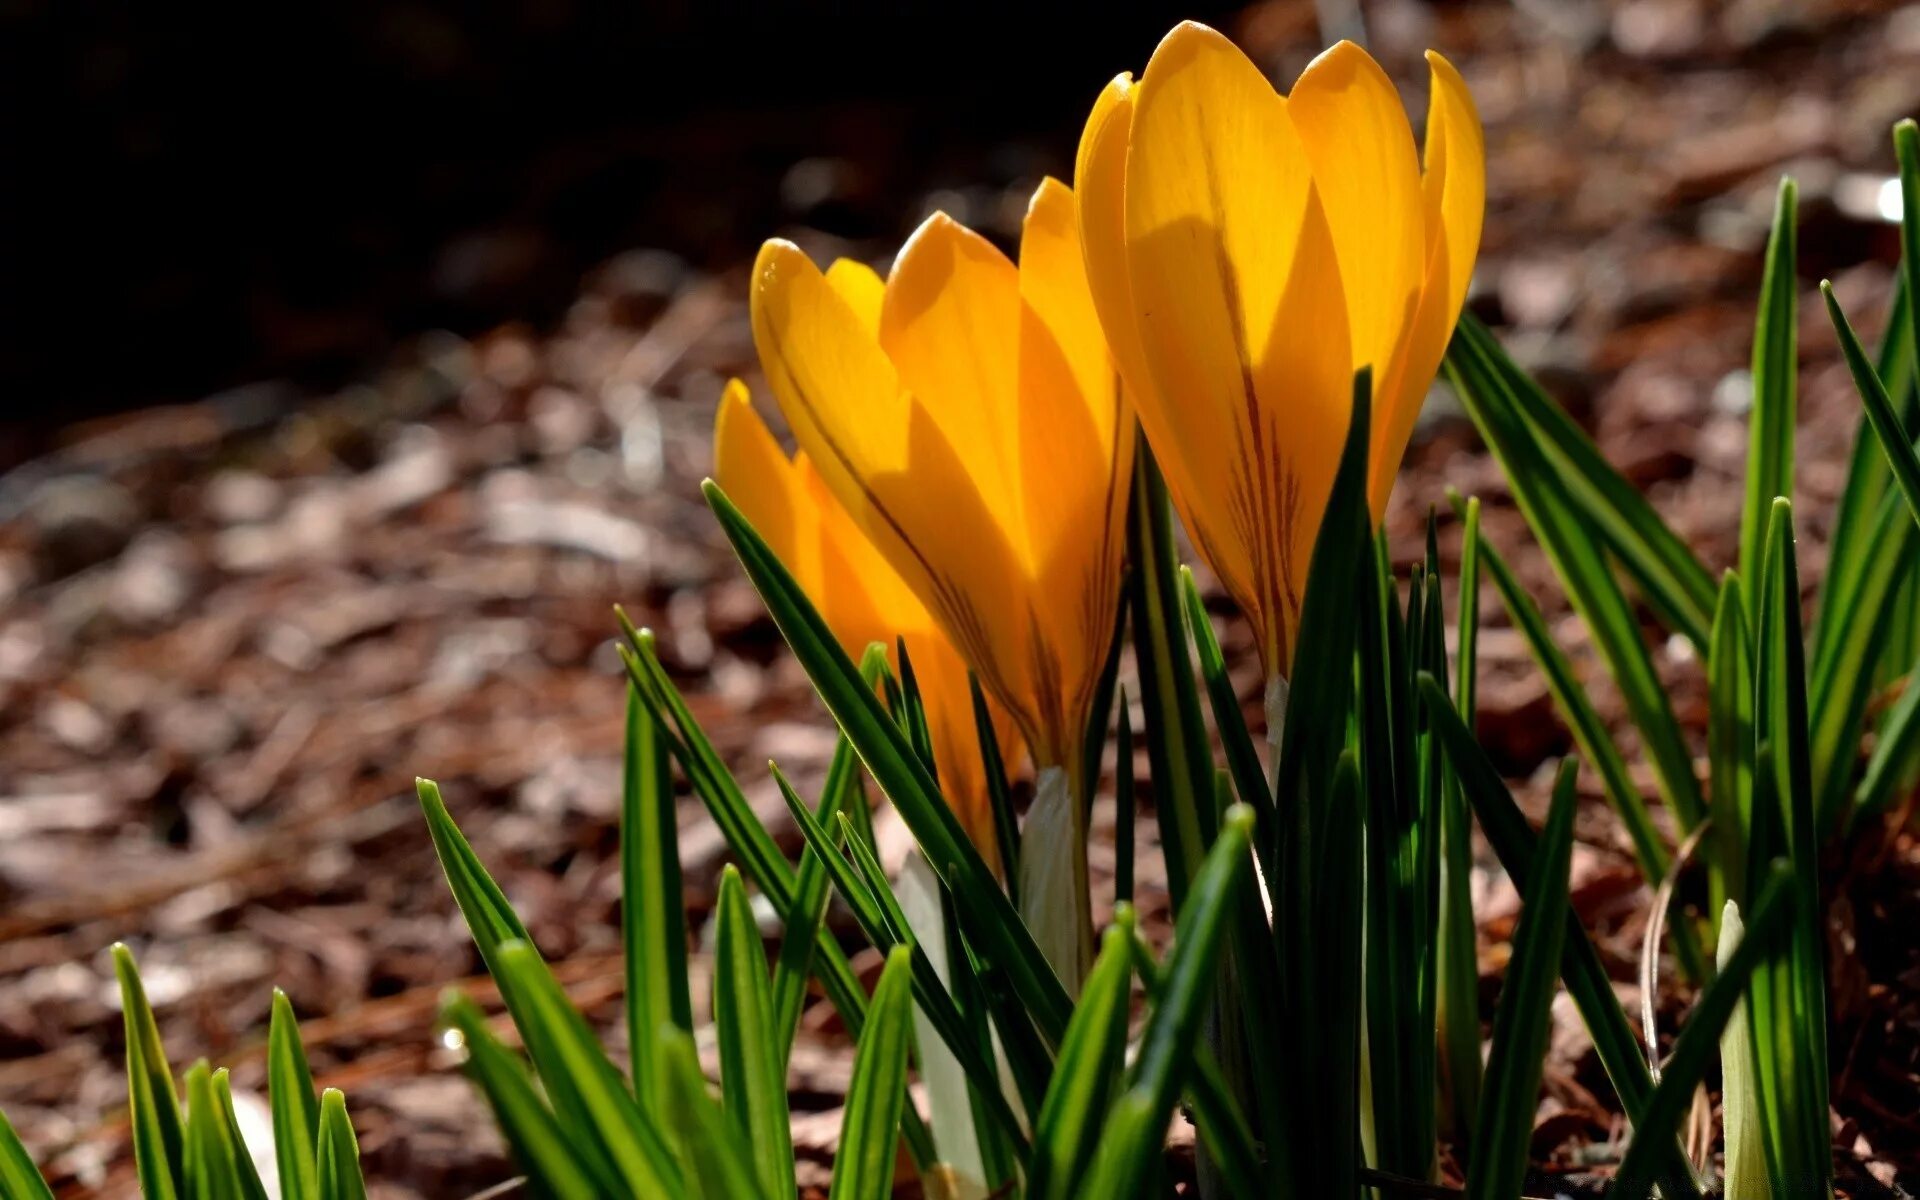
(358, 357)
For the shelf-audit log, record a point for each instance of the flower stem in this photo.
(1054, 894)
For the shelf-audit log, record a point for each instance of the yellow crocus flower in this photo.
(861, 598)
(1248, 252)
(968, 417)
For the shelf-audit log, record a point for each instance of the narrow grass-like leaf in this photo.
(1729, 744)
(1566, 531)
(246, 1176)
(1133, 1132)
(211, 1171)
(994, 930)
(1504, 1128)
(20, 1179)
(294, 1104)
(1662, 566)
(339, 1151)
(1458, 1002)
(489, 915)
(1842, 678)
(1087, 1073)
(1697, 1046)
(159, 1136)
(1006, 826)
(1123, 808)
(751, 844)
(1869, 486)
(1789, 1001)
(1595, 742)
(1901, 457)
(1896, 754)
(541, 1147)
(1744, 1173)
(1219, 1122)
(1249, 778)
(752, 1063)
(653, 921)
(1775, 366)
(876, 1093)
(1514, 844)
(586, 1091)
(1179, 755)
(1029, 1060)
(718, 1158)
(877, 921)
(812, 890)
(1100, 711)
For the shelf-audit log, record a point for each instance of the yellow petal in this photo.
(750, 465)
(890, 464)
(1454, 197)
(1242, 317)
(951, 325)
(1099, 177)
(861, 287)
(1076, 454)
(1361, 150)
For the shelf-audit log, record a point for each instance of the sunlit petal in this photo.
(1453, 204)
(1242, 318)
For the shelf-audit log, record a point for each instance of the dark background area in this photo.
(203, 196)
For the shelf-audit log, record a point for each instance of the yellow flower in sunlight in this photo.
(1248, 252)
(862, 599)
(967, 415)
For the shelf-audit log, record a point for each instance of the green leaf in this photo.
(295, 1106)
(1458, 1002)
(1100, 711)
(1179, 756)
(1844, 675)
(1566, 530)
(1088, 1071)
(718, 1159)
(1901, 458)
(1789, 1001)
(1219, 1123)
(19, 1178)
(1695, 1050)
(1167, 1047)
(541, 1148)
(1729, 743)
(246, 1178)
(876, 1093)
(1775, 366)
(752, 1063)
(1896, 753)
(1006, 827)
(653, 921)
(1124, 808)
(751, 844)
(1869, 491)
(586, 1091)
(489, 915)
(1666, 572)
(338, 1152)
(885, 928)
(1504, 1128)
(1513, 843)
(1249, 778)
(211, 1172)
(1595, 742)
(993, 928)
(159, 1136)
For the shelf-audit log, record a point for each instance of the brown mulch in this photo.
(232, 633)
